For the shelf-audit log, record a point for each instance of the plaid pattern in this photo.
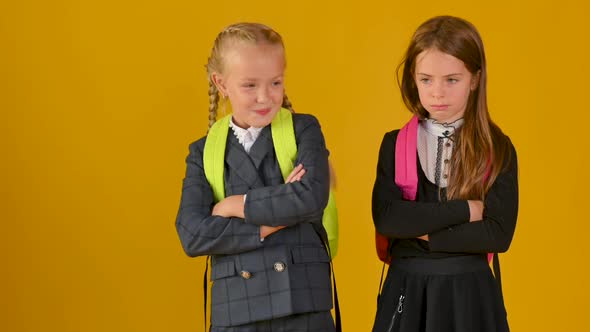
(304, 284)
(311, 322)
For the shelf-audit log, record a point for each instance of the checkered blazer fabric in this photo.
(270, 292)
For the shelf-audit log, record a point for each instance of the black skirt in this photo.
(455, 294)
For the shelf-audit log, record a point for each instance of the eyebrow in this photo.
(256, 79)
(453, 74)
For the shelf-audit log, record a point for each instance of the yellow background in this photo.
(100, 99)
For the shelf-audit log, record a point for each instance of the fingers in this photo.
(299, 175)
(293, 173)
(264, 231)
(423, 237)
(268, 230)
(217, 209)
(296, 174)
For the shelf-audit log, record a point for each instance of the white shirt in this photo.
(435, 146)
(246, 137)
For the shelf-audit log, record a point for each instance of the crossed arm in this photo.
(235, 225)
(452, 226)
(233, 206)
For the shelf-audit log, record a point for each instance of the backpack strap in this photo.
(285, 145)
(330, 222)
(214, 154)
(406, 172)
(284, 142)
(406, 176)
(321, 231)
(205, 288)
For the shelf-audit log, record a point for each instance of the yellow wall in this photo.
(99, 100)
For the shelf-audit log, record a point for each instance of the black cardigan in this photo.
(446, 223)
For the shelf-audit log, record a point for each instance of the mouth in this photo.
(263, 111)
(439, 107)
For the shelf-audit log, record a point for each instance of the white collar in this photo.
(246, 137)
(441, 129)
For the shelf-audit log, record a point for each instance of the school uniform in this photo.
(444, 284)
(281, 283)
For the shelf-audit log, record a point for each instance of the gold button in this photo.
(445, 176)
(279, 266)
(246, 274)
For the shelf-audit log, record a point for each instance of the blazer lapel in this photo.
(262, 147)
(240, 162)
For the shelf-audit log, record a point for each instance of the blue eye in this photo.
(248, 85)
(452, 80)
(425, 80)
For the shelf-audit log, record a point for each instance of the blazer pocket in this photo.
(222, 270)
(309, 254)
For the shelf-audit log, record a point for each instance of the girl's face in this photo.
(253, 82)
(444, 85)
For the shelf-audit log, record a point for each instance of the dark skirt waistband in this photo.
(441, 266)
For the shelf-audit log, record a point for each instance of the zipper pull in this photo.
(400, 304)
(397, 312)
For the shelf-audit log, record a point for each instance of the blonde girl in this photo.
(270, 269)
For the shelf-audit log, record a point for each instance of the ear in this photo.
(219, 82)
(475, 80)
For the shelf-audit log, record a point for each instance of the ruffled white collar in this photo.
(246, 137)
(441, 129)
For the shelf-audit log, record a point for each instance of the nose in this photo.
(262, 95)
(438, 90)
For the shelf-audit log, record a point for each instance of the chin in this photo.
(266, 120)
(259, 123)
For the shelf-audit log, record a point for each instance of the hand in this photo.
(475, 210)
(423, 237)
(268, 230)
(296, 174)
(231, 206)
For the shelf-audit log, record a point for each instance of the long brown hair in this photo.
(240, 32)
(480, 146)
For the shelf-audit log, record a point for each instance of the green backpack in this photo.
(283, 137)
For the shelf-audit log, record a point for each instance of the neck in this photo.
(239, 123)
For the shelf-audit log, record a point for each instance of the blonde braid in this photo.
(287, 104)
(213, 103)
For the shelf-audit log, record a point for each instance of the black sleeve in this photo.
(292, 203)
(398, 218)
(201, 233)
(493, 233)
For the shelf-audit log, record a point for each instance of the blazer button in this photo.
(279, 266)
(245, 274)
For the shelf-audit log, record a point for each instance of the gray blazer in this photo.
(288, 272)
